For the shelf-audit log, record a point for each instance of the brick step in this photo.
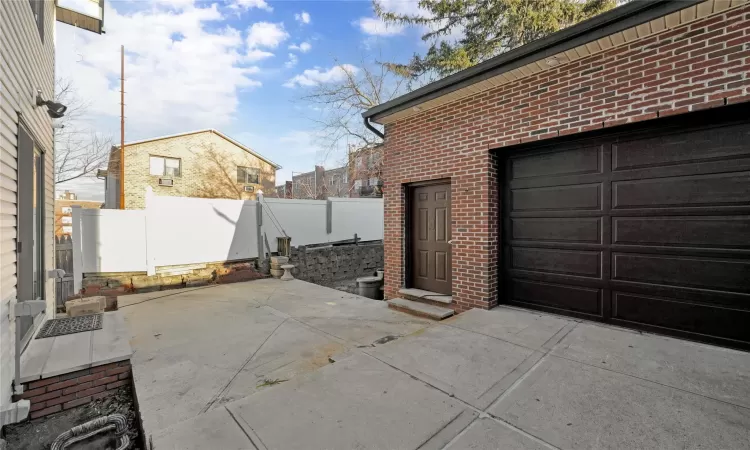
(420, 309)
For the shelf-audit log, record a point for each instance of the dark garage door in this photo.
(649, 229)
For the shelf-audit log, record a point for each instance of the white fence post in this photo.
(76, 243)
(148, 211)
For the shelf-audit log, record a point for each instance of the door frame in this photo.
(408, 222)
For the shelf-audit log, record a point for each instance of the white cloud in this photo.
(246, 4)
(303, 17)
(303, 47)
(313, 77)
(293, 60)
(266, 34)
(171, 85)
(376, 27)
(257, 55)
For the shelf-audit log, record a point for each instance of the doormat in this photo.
(70, 325)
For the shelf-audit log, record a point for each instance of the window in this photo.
(345, 179)
(161, 166)
(357, 184)
(37, 8)
(373, 182)
(67, 230)
(248, 175)
(332, 181)
(66, 219)
(67, 210)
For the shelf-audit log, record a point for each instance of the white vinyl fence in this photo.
(179, 230)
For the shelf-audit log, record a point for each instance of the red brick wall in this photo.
(55, 394)
(696, 66)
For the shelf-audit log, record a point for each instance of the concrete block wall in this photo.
(328, 265)
(59, 393)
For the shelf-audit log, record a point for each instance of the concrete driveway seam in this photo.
(439, 437)
(248, 430)
(651, 381)
(444, 436)
(237, 372)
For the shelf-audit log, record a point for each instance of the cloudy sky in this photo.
(239, 66)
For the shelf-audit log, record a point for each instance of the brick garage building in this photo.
(601, 172)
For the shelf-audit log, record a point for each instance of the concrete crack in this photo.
(221, 393)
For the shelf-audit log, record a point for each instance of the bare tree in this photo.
(218, 174)
(338, 105)
(79, 152)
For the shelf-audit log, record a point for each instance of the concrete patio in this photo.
(197, 349)
(206, 362)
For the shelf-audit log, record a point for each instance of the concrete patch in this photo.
(574, 406)
(488, 434)
(528, 329)
(473, 367)
(357, 403)
(715, 372)
(213, 430)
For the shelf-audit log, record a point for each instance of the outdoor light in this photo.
(54, 109)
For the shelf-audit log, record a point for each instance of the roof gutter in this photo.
(369, 126)
(597, 27)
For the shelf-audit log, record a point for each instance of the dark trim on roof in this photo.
(615, 20)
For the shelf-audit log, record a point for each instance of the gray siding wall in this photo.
(26, 64)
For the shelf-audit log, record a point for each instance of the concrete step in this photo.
(421, 294)
(420, 309)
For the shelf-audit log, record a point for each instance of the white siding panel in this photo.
(26, 64)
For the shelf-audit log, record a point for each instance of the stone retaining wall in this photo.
(330, 265)
(112, 285)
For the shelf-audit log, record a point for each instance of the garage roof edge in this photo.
(597, 27)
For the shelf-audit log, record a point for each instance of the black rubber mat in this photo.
(70, 325)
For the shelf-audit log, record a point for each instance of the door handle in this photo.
(450, 242)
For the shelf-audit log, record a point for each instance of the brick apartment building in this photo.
(204, 163)
(361, 177)
(321, 183)
(601, 172)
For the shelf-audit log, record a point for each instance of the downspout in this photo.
(369, 126)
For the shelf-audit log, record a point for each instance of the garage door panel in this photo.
(684, 170)
(565, 162)
(655, 235)
(693, 191)
(708, 273)
(577, 197)
(703, 231)
(566, 262)
(557, 229)
(682, 316)
(580, 299)
(680, 148)
(557, 181)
